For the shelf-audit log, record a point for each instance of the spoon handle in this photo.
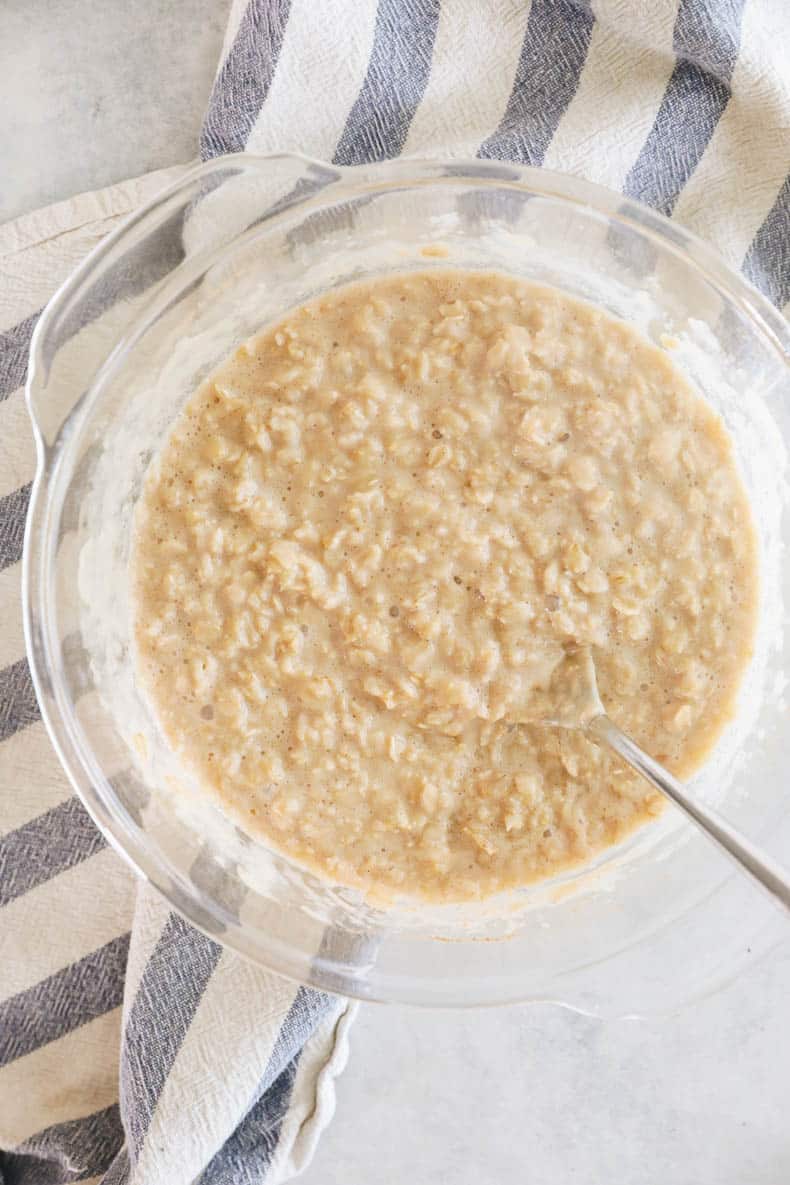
(759, 865)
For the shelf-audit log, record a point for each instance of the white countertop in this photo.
(95, 93)
(534, 1095)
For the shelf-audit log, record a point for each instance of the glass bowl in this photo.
(651, 923)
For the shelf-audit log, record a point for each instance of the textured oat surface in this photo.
(371, 534)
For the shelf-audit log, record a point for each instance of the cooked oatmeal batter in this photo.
(371, 534)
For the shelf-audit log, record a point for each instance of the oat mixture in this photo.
(369, 533)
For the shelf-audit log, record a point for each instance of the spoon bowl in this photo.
(569, 698)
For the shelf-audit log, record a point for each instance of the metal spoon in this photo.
(571, 700)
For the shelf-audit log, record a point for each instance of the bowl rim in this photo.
(113, 821)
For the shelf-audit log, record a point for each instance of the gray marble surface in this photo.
(94, 93)
(534, 1095)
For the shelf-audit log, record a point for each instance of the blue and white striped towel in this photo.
(682, 103)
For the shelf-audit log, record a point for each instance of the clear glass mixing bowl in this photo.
(653, 922)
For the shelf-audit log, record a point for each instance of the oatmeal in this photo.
(371, 534)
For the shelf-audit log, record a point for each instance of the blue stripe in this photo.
(342, 954)
(46, 846)
(13, 509)
(66, 1152)
(246, 1156)
(135, 271)
(245, 78)
(167, 998)
(219, 884)
(395, 82)
(308, 1009)
(552, 57)
(18, 703)
(65, 1001)
(706, 41)
(767, 262)
(119, 1171)
(14, 349)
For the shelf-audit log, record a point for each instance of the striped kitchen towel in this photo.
(684, 104)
